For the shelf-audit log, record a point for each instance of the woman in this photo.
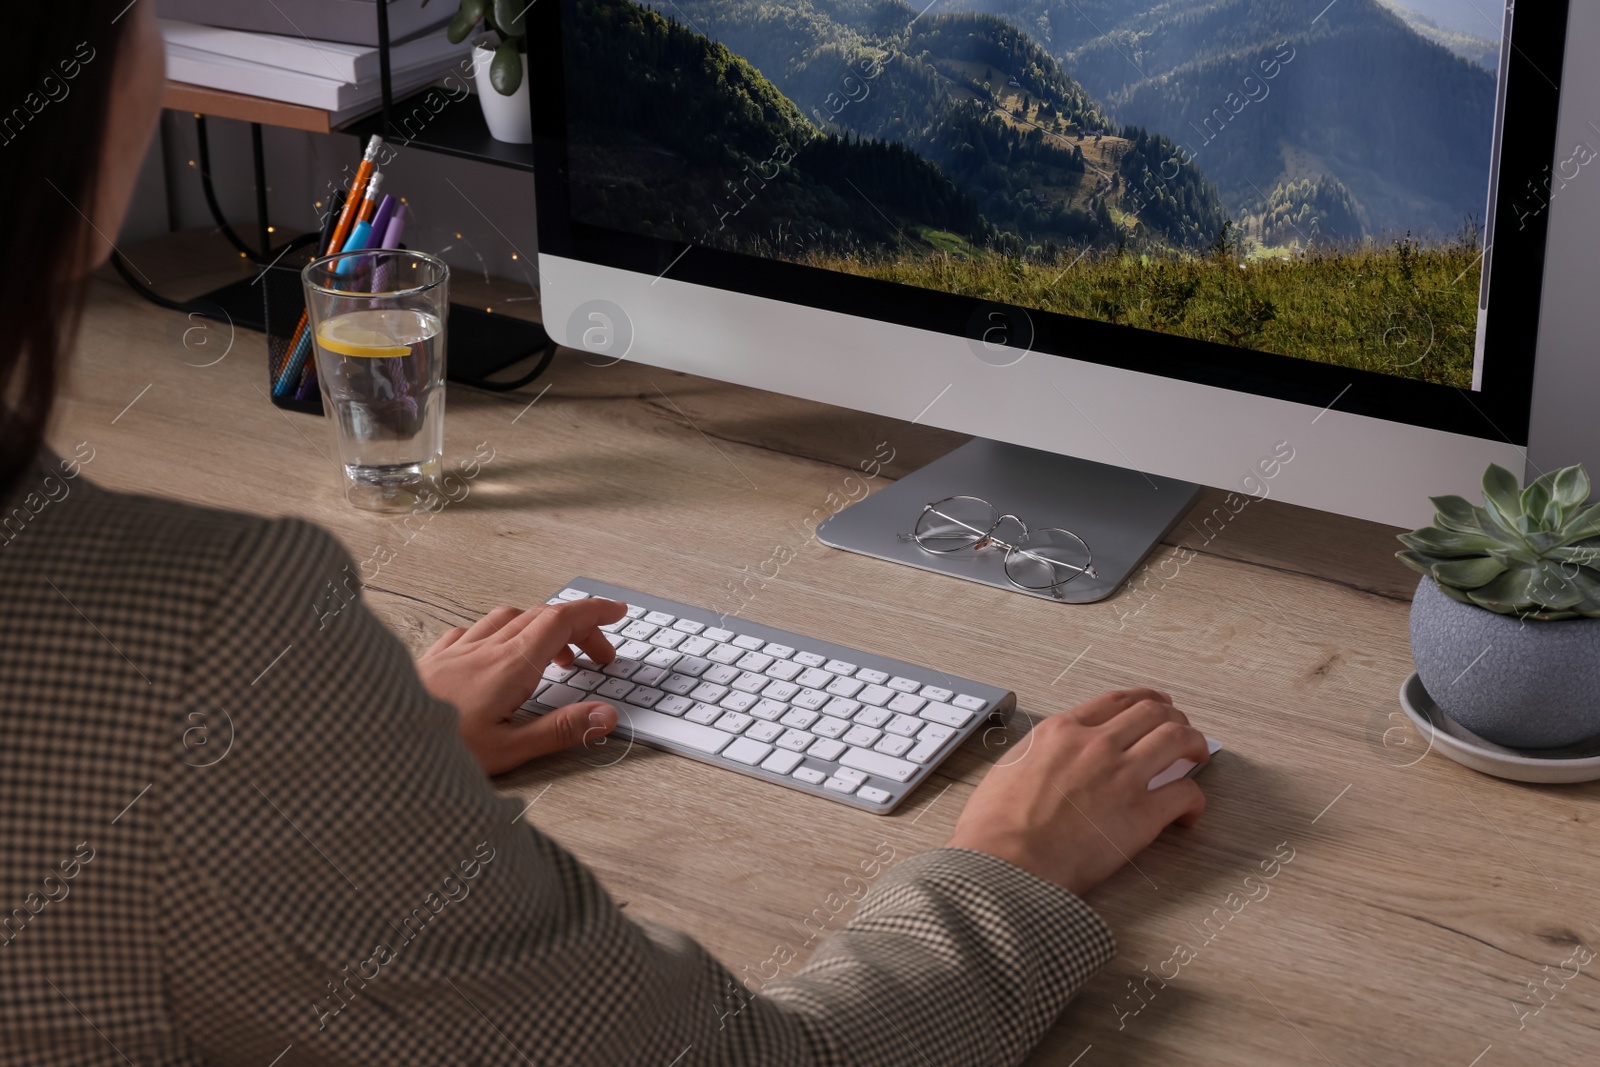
(333, 880)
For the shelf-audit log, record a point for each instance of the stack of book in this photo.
(340, 78)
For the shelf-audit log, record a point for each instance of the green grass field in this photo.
(1399, 309)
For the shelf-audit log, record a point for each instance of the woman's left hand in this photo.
(489, 669)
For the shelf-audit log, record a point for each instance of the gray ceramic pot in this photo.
(1519, 683)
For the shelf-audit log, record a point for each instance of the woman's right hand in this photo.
(1072, 804)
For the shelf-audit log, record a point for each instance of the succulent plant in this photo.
(1531, 552)
(508, 19)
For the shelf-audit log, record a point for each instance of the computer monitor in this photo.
(1244, 245)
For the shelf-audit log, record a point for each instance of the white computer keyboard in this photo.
(833, 721)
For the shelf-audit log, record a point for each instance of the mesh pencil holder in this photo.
(285, 308)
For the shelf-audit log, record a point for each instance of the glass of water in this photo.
(377, 319)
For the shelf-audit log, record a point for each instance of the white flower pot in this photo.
(508, 117)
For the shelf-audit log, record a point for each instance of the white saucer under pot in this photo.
(1574, 763)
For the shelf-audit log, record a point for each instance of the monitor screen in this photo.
(1305, 200)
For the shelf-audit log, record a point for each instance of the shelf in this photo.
(457, 129)
(222, 104)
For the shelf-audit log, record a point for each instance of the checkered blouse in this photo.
(230, 837)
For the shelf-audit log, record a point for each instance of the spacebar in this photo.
(650, 725)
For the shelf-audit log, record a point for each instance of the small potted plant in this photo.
(1504, 628)
(504, 57)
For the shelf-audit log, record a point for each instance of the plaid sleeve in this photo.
(344, 883)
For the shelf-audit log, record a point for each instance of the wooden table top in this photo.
(1427, 910)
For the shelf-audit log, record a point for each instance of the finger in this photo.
(545, 636)
(1164, 745)
(1127, 727)
(1096, 710)
(1180, 802)
(446, 639)
(563, 728)
(492, 622)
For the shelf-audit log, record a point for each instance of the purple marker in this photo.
(397, 228)
(380, 221)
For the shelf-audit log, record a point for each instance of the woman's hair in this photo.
(57, 66)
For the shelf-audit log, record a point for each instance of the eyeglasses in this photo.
(1038, 560)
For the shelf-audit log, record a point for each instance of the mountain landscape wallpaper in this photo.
(1287, 177)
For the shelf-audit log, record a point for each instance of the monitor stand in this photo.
(1122, 514)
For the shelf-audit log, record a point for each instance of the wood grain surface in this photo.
(1426, 910)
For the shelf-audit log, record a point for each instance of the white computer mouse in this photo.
(1183, 768)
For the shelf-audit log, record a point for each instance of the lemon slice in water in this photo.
(347, 338)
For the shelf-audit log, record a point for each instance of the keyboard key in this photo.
(947, 715)
(841, 708)
(638, 629)
(828, 726)
(874, 794)
(754, 661)
(586, 680)
(693, 666)
(617, 668)
(748, 642)
(877, 763)
(808, 774)
(696, 646)
(650, 675)
(709, 693)
(655, 726)
(839, 785)
(613, 627)
(934, 732)
(662, 657)
(737, 701)
(969, 703)
(873, 717)
(680, 684)
(674, 705)
(907, 704)
(814, 678)
(572, 594)
(905, 725)
(893, 745)
(634, 650)
(809, 659)
(850, 774)
(844, 687)
(784, 670)
(809, 699)
(744, 750)
(781, 690)
(865, 736)
(689, 626)
(725, 654)
(614, 639)
(781, 762)
(659, 618)
(923, 751)
(617, 688)
(876, 695)
(717, 634)
(733, 722)
(839, 666)
(798, 718)
(871, 677)
(795, 740)
(704, 713)
(765, 731)
(644, 697)
(749, 682)
(667, 638)
(720, 673)
(768, 709)
(933, 692)
(635, 611)
(584, 663)
(826, 748)
(904, 685)
(556, 695)
(559, 674)
(777, 651)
